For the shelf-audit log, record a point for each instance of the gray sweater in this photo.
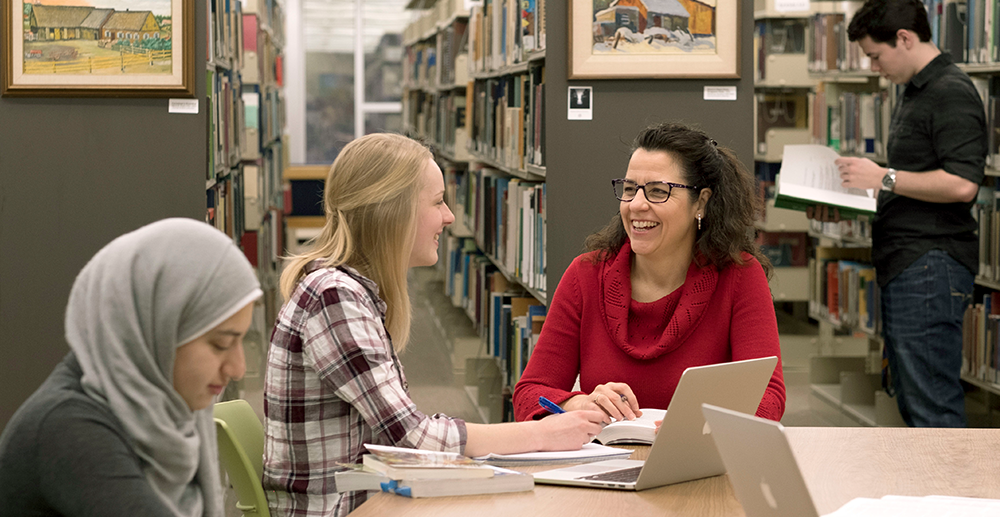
(65, 454)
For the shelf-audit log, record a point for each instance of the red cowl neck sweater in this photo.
(594, 328)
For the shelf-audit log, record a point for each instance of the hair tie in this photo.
(716, 144)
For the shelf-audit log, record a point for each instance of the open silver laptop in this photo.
(683, 449)
(760, 464)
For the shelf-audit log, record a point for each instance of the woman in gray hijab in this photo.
(123, 425)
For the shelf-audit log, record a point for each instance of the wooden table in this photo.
(839, 464)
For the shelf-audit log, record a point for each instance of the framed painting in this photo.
(98, 48)
(682, 39)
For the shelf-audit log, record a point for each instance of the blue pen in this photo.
(551, 406)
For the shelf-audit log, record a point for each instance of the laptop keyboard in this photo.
(629, 475)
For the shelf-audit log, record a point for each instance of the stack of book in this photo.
(416, 473)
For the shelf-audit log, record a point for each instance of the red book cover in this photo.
(249, 244)
(832, 288)
(250, 32)
(287, 193)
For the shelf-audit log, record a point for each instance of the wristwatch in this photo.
(889, 180)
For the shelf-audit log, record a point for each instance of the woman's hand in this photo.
(568, 431)
(614, 398)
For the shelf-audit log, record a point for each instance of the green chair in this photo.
(241, 451)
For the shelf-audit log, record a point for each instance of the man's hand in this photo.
(823, 213)
(860, 173)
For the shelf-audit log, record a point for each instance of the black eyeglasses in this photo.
(656, 191)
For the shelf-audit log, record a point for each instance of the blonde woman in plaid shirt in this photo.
(333, 379)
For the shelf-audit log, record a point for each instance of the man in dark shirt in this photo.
(924, 244)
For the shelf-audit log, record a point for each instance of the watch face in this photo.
(887, 182)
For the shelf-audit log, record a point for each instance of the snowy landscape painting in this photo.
(654, 38)
(654, 26)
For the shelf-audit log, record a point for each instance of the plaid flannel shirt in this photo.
(334, 383)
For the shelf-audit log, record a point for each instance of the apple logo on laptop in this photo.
(765, 489)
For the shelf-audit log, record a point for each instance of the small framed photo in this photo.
(109, 48)
(581, 106)
(682, 39)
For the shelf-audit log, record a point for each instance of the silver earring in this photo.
(699, 221)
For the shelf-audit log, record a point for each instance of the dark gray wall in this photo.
(583, 156)
(74, 174)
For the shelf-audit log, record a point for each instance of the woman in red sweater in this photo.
(674, 281)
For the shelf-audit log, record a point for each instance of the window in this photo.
(340, 50)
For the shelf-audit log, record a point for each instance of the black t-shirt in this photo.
(939, 123)
(63, 454)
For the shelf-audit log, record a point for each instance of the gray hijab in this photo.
(140, 298)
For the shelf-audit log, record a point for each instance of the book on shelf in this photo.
(641, 431)
(779, 110)
(980, 335)
(953, 29)
(857, 231)
(809, 177)
(500, 480)
(785, 249)
(519, 335)
(774, 37)
(992, 104)
(843, 288)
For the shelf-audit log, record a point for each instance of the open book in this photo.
(809, 177)
(641, 430)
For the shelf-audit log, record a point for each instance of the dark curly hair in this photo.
(728, 227)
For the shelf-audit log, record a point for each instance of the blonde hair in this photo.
(370, 202)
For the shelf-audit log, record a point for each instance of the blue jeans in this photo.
(922, 312)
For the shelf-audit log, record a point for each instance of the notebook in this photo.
(760, 464)
(683, 449)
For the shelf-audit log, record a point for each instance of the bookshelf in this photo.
(245, 109)
(977, 50)
(850, 110)
(474, 83)
(782, 91)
